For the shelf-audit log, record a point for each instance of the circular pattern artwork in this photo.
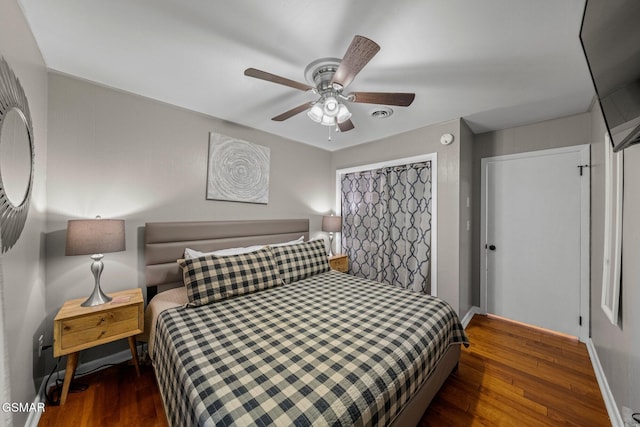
(16, 157)
(238, 171)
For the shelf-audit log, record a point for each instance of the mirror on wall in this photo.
(16, 157)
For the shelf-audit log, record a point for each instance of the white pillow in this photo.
(292, 242)
(192, 253)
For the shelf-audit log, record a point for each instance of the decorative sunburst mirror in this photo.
(16, 157)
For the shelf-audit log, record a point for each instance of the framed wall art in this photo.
(237, 170)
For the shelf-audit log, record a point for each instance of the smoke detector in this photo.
(446, 139)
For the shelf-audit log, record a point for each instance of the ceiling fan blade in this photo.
(357, 56)
(292, 112)
(346, 125)
(383, 98)
(263, 75)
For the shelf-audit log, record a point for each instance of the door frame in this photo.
(585, 195)
(430, 157)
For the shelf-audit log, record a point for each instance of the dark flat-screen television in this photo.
(610, 36)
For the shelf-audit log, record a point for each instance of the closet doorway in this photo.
(535, 238)
(389, 227)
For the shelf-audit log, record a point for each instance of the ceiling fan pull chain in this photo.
(330, 127)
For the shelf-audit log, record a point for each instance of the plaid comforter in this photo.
(332, 349)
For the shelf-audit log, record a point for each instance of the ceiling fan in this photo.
(329, 77)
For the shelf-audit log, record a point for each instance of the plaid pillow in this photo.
(213, 278)
(297, 262)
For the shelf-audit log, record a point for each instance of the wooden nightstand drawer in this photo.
(339, 263)
(89, 329)
(77, 328)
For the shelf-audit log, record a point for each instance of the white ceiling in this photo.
(496, 63)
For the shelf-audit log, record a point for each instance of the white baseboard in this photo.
(609, 401)
(34, 417)
(467, 317)
(122, 356)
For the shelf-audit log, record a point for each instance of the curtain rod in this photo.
(399, 168)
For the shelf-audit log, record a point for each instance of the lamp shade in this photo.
(332, 224)
(94, 236)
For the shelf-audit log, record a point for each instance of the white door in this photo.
(535, 215)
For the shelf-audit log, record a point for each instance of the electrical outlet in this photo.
(40, 345)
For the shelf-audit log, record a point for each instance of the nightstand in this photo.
(77, 328)
(339, 262)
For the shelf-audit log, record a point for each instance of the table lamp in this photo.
(95, 237)
(331, 224)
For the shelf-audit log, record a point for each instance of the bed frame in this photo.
(165, 243)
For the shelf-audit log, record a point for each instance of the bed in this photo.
(326, 348)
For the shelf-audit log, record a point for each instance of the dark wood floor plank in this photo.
(501, 391)
(444, 414)
(499, 402)
(510, 375)
(115, 397)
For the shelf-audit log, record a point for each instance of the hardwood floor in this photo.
(510, 375)
(115, 397)
(516, 375)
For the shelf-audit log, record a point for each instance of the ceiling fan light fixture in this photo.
(343, 114)
(328, 120)
(331, 106)
(316, 113)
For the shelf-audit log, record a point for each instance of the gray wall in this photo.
(423, 141)
(618, 347)
(563, 132)
(23, 267)
(124, 156)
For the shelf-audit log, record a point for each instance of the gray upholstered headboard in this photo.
(165, 242)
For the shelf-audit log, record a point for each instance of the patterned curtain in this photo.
(386, 225)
